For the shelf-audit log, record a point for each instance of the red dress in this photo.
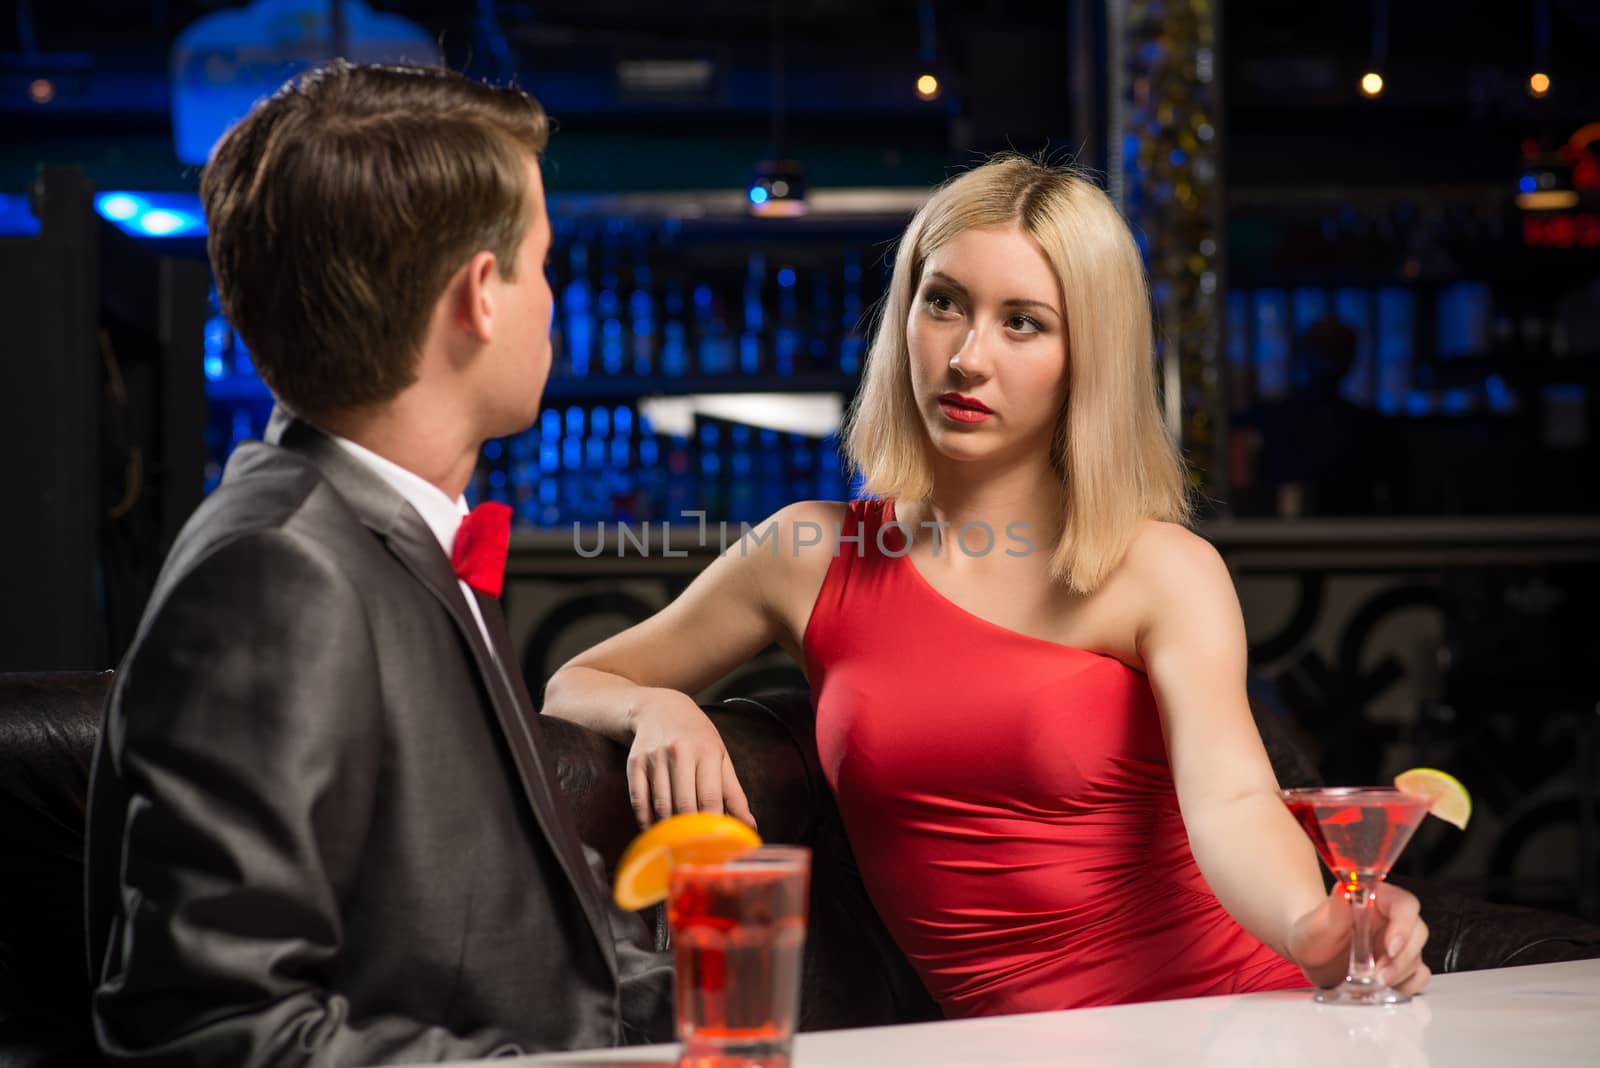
(1009, 802)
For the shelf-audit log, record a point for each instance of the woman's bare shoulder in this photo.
(795, 540)
(1170, 565)
(789, 554)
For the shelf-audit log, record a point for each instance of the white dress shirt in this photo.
(442, 515)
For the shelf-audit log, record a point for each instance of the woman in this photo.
(1029, 676)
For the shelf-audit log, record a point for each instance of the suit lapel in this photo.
(519, 721)
(389, 515)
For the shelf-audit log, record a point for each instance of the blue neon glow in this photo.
(758, 195)
(217, 335)
(16, 216)
(1527, 183)
(223, 62)
(152, 214)
(161, 223)
(118, 207)
(1501, 399)
(216, 370)
(786, 277)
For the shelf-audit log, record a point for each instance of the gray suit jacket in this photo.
(321, 827)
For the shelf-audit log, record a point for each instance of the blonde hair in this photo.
(1116, 461)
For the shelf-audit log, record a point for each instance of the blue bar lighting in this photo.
(152, 214)
(16, 216)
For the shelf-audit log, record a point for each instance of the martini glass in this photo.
(1359, 832)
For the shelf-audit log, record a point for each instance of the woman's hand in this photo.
(1319, 941)
(678, 763)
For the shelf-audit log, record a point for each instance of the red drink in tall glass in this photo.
(738, 932)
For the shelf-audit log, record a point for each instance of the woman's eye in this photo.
(1024, 324)
(939, 302)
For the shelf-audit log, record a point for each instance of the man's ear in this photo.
(472, 296)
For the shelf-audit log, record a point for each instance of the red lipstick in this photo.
(964, 409)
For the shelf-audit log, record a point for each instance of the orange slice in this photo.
(693, 837)
(1451, 802)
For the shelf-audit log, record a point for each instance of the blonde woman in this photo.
(1029, 676)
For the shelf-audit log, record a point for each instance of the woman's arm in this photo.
(634, 686)
(1255, 857)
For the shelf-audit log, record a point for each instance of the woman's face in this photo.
(988, 340)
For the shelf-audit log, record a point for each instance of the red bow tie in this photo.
(479, 556)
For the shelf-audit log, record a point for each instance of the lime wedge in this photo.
(1451, 802)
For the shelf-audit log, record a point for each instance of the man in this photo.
(1313, 450)
(321, 827)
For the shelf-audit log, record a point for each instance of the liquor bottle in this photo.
(682, 486)
(755, 320)
(674, 334)
(850, 326)
(572, 480)
(577, 314)
(608, 306)
(802, 468)
(771, 476)
(596, 458)
(786, 338)
(710, 498)
(824, 327)
(830, 473)
(642, 317)
(716, 348)
(741, 475)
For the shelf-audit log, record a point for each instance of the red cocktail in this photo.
(738, 932)
(1359, 832)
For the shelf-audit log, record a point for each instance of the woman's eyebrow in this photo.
(1015, 302)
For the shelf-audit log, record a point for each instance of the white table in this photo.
(1534, 1017)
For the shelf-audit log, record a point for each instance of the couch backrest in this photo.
(48, 724)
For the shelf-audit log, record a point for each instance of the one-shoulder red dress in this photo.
(1009, 802)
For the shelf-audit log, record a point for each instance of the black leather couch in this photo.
(854, 975)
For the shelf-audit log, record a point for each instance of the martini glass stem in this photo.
(1363, 967)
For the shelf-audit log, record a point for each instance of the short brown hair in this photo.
(339, 208)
